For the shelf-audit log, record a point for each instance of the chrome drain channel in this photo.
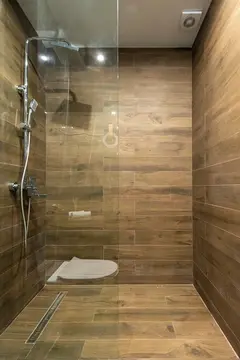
(45, 319)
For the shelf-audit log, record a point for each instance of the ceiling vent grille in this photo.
(190, 19)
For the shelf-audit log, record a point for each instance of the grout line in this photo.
(217, 227)
(217, 206)
(216, 164)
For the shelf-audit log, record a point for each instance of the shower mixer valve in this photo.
(30, 188)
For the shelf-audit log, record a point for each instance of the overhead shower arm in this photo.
(23, 89)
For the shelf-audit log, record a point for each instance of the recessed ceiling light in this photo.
(44, 57)
(100, 57)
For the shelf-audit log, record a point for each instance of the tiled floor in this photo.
(112, 322)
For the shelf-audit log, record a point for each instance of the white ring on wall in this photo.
(113, 144)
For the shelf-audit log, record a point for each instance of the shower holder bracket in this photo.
(25, 127)
(21, 89)
(13, 187)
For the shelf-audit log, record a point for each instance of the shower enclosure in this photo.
(59, 128)
(102, 255)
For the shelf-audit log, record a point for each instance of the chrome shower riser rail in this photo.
(28, 186)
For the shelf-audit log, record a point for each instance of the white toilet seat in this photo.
(84, 269)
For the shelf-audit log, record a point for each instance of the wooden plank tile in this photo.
(41, 302)
(180, 348)
(163, 237)
(31, 315)
(148, 164)
(18, 330)
(158, 314)
(190, 301)
(105, 349)
(219, 174)
(164, 267)
(56, 350)
(71, 315)
(64, 252)
(107, 331)
(182, 178)
(143, 290)
(197, 330)
(169, 202)
(89, 237)
(153, 145)
(225, 196)
(227, 219)
(142, 252)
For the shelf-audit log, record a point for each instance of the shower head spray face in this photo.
(75, 47)
(65, 44)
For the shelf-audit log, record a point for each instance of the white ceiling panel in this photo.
(156, 23)
(110, 23)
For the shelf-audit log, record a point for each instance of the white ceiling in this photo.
(141, 23)
(156, 23)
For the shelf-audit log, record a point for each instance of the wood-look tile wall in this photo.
(216, 160)
(140, 191)
(15, 289)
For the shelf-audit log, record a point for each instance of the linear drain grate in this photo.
(45, 319)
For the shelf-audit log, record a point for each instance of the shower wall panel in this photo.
(154, 165)
(139, 192)
(15, 289)
(216, 165)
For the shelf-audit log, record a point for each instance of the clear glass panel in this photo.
(74, 158)
(82, 134)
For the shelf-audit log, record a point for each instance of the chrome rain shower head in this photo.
(33, 105)
(65, 44)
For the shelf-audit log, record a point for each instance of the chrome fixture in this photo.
(190, 19)
(28, 187)
(32, 190)
(65, 44)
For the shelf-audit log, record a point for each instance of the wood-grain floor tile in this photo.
(197, 330)
(177, 349)
(147, 314)
(118, 322)
(73, 315)
(107, 330)
(105, 349)
(18, 330)
(189, 301)
(145, 290)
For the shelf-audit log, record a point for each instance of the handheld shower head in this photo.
(32, 108)
(33, 105)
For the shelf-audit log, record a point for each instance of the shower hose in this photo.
(26, 218)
